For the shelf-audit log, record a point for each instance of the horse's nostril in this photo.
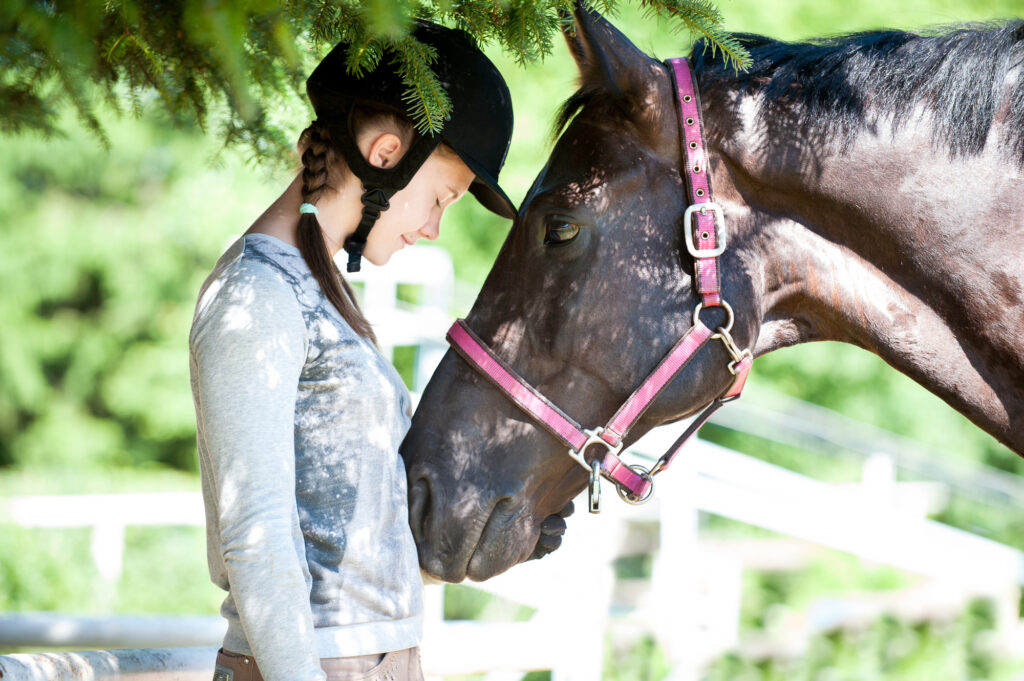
(419, 508)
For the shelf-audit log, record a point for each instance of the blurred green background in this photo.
(102, 252)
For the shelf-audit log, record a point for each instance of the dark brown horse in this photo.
(873, 192)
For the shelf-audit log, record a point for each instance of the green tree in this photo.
(226, 62)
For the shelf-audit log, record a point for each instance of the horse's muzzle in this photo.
(476, 535)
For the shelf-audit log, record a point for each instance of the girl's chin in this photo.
(377, 259)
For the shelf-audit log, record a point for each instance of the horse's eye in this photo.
(560, 231)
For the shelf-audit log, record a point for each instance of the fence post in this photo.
(676, 572)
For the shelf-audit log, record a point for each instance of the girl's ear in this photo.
(385, 150)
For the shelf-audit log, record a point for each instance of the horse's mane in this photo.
(836, 86)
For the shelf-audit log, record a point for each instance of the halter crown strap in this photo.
(710, 233)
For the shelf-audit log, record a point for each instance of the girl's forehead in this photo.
(454, 171)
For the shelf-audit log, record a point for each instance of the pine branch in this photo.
(427, 101)
(238, 58)
(703, 18)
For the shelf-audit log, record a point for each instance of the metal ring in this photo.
(628, 497)
(693, 145)
(689, 121)
(700, 192)
(593, 438)
(729, 318)
(696, 168)
(687, 98)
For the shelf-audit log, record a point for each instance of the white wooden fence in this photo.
(423, 325)
(694, 600)
(570, 592)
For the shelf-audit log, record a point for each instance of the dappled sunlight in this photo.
(905, 242)
(304, 487)
(595, 283)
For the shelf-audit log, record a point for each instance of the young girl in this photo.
(299, 416)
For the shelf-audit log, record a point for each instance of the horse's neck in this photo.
(884, 248)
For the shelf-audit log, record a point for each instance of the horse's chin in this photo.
(485, 560)
(499, 547)
(493, 558)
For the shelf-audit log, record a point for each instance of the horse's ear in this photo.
(606, 58)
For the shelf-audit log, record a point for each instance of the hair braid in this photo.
(316, 162)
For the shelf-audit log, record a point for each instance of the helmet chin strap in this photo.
(375, 201)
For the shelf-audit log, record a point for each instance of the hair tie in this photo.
(308, 208)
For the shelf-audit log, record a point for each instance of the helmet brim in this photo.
(487, 191)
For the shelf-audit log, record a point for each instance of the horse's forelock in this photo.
(591, 94)
(571, 107)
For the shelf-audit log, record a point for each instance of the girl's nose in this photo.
(432, 229)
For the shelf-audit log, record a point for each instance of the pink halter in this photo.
(704, 229)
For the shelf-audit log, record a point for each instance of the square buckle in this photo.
(719, 220)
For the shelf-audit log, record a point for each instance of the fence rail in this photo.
(696, 609)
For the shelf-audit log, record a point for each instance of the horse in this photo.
(871, 190)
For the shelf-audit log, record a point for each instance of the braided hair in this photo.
(319, 156)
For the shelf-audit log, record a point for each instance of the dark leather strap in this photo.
(379, 184)
(375, 201)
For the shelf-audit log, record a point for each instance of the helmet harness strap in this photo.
(375, 201)
(379, 184)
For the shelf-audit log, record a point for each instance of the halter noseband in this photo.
(704, 230)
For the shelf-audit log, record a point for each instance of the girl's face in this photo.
(416, 210)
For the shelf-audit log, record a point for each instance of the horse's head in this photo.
(590, 290)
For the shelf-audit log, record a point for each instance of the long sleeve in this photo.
(248, 348)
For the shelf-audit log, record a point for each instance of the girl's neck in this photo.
(339, 213)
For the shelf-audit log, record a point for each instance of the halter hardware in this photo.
(719, 222)
(593, 438)
(594, 489)
(646, 474)
(729, 319)
(738, 356)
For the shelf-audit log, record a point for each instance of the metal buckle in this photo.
(719, 221)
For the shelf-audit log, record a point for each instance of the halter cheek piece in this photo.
(704, 230)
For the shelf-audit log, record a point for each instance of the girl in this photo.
(299, 416)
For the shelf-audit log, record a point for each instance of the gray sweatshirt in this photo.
(299, 420)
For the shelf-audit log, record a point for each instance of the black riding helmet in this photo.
(479, 128)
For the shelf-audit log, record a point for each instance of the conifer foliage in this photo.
(224, 62)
